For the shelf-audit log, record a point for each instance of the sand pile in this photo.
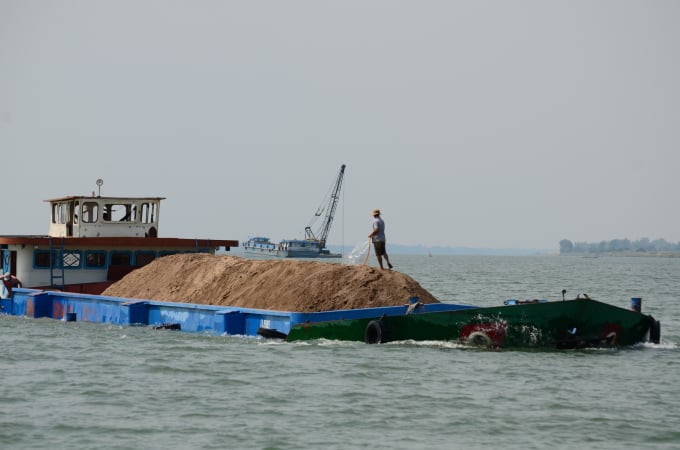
(279, 284)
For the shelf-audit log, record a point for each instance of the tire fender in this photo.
(375, 332)
(479, 339)
(655, 332)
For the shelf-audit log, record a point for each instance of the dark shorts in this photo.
(379, 247)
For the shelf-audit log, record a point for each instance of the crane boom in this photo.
(330, 212)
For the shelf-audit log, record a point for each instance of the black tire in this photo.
(168, 326)
(271, 333)
(375, 332)
(655, 332)
(479, 339)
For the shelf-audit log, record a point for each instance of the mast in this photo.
(330, 212)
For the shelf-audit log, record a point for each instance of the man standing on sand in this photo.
(378, 238)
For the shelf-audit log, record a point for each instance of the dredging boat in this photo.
(92, 242)
(314, 243)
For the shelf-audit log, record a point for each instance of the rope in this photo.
(368, 252)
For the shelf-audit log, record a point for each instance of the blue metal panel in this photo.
(89, 308)
(233, 322)
(137, 313)
(189, 317)
(39, 305)
(18, 304)
(5, 306)
(266, 319)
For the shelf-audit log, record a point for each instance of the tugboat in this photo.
(313, 245)
(94, 241)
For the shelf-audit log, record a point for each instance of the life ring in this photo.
(479, 339)
(375, 332)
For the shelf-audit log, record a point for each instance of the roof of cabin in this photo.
(87, 197)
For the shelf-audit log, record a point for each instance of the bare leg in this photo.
(380, 261)
(387, 258)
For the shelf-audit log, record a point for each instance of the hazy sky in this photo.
(498, 124)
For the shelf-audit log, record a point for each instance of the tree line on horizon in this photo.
(618, 246)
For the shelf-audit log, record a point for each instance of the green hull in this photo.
(560, 324)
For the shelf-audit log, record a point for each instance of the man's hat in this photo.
(376, 212)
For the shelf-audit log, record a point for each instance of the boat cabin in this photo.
(82, 216)
(93, 242)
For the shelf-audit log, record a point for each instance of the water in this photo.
(76, 385)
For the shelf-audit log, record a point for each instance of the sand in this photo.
(276, 284)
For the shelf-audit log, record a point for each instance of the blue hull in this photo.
(188, 317)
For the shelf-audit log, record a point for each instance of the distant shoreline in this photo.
(398, 249)
(630, 254)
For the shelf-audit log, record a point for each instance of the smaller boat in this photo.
(313, 245)
(261, 245)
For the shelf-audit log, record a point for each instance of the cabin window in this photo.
(119, 212)
(90, 212)
(95, 259)
(76, 212)
(148, 212)
(120, 259)
(59, 212)
(41, 259)
(144, 258)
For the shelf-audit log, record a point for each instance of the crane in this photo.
(325, 227)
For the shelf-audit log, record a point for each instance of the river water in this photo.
(77, 385)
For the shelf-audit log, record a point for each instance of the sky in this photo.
(489, 124)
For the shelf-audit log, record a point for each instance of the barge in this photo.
(577, 323)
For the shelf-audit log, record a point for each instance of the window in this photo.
(41, 259)
(120, 259)
(144, 258)
(148, 212)
(119, 212)
(95, 259)
(59, 212)
(90, 212)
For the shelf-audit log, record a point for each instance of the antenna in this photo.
(99, 186)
